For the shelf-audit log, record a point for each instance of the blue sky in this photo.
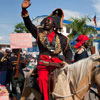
(10, 12)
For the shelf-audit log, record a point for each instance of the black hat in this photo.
(57, 15)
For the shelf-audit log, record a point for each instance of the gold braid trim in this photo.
(42, 39)
(58, 49)
(41, 35)
(4, 58)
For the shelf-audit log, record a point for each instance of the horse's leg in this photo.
(37, 94)
(26, 90)
(26, 93)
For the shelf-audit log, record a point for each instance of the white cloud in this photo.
(2, 38)
(96, 5)
(68, 14)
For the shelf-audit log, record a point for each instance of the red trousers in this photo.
(43, 72)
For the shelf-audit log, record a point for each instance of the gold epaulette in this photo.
(3, 59)
(14, 62)
(34, 74)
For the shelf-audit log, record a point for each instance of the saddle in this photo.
(52, 78)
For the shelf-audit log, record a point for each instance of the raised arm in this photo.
(28, 23)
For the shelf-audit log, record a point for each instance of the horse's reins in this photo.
(75, 93)
(65, 96)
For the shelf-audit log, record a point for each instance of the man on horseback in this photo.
(50, 44)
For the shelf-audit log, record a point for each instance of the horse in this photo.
(73, 80)
(96, 75)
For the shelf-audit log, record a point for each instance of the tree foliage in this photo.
(20, 28)
(79, 26)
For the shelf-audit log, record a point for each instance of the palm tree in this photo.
(79, 27)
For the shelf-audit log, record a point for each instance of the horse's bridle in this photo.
(72, 94)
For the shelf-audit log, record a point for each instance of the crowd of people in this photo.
(12, 72)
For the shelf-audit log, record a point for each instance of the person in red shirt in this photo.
(81, 47)
(50, 43)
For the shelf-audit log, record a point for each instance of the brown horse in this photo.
(74, 84)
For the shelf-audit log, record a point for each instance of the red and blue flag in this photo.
(94, 19)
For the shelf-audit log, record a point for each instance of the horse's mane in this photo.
(80, 68)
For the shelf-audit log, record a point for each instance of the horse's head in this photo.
(95, 59)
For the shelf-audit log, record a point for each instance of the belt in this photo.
(51, 56)
(57, 65)
(48, 54)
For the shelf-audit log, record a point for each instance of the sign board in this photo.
(20, 40)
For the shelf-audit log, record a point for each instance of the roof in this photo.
(69, 22)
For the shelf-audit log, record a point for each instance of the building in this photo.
(3, 46)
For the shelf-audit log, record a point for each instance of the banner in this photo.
(20, 40)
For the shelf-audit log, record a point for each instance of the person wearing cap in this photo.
(81, 47)
(5, 66)
(50, 44)
(17, 76)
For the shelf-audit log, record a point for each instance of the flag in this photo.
(94, 19)
(89, 18)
